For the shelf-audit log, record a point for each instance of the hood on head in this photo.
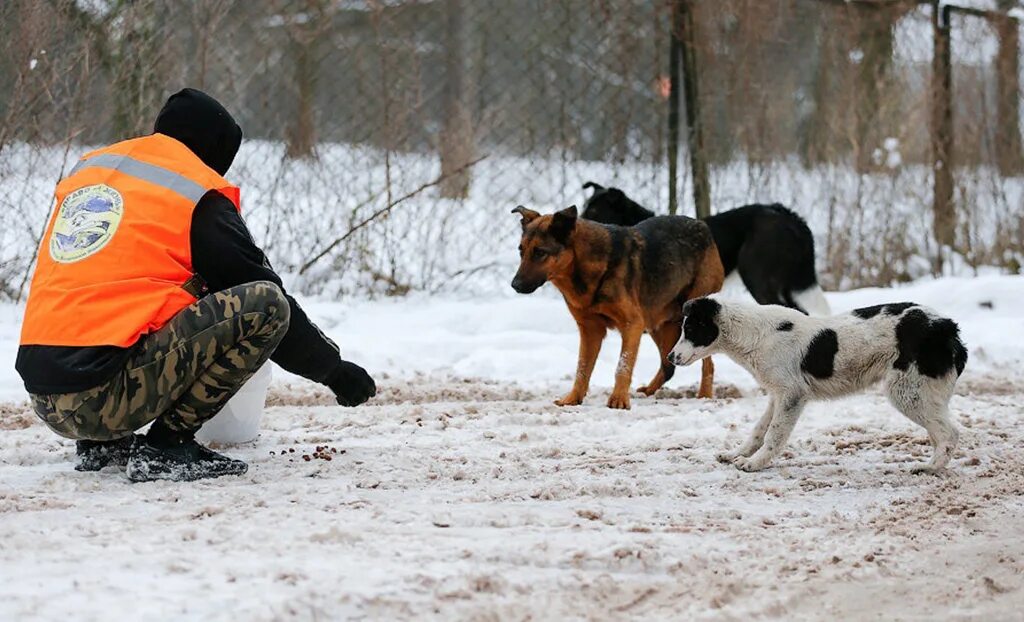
(203, 125)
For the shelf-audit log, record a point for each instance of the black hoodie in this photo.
(223, 254)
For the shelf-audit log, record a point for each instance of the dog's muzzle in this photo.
(523, 287)
(685, 357)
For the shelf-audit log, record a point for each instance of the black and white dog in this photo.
(770, 246)
(797, 358)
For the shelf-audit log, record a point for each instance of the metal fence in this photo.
(386, 140)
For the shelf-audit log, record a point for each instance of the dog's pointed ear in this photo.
(562, 224)
(597, 187)
(528, 215)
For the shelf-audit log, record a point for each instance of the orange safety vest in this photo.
(116, 260)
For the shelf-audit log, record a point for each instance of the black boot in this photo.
(94, 455)
(182, 461)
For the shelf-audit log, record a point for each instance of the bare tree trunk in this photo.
(944, 216)
(694, 121)
(1008, 142)
(302, 130)
(207, 23)
(816, 131)
(457, 135)
(675, 55)
(875, 40)
(310, 21)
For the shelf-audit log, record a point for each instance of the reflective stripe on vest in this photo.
(146, 172)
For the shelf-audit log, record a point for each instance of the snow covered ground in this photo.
(461, 491)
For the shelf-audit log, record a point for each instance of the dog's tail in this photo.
(959, 356)
(945, 332)
(811, 301)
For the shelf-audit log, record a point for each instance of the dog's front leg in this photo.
(592, 333)
(788, 409)
(631, 334)
(665, 337)
(707, 379)
(756, 438)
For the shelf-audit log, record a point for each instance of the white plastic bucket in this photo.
(239, 420)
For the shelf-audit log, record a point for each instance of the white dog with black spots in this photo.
(797, 358)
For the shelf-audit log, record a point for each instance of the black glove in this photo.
(351, 384)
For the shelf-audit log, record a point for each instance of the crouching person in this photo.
(151, 303)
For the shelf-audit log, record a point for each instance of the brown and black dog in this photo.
(632, 279)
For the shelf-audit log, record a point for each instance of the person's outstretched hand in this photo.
(351, 384)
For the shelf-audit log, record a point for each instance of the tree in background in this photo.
(21, 27)
(1009, 155)
(205, 20)
(130, 45)
(305, 23)
(872, 53)
(816, 130)
(456, 142)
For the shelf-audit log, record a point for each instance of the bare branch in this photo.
(384, 210)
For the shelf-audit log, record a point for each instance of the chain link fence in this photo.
(387, 140)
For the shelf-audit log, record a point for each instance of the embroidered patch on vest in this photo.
(86, 221)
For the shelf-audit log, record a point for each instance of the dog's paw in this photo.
(751, 464)
(619, 402)
(727, 457)
(927, 469)
(570, 400)
(647, 390)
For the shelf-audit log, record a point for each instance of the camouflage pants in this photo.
(182, 373)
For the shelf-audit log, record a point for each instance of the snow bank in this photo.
(532, 339)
